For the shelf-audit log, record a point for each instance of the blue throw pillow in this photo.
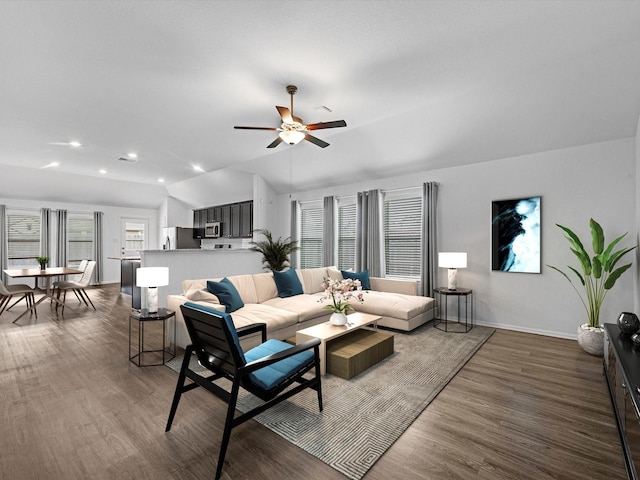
(287, 283)
(363, 276)
(226, 293)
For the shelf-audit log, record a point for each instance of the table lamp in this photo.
(452, 261)
(152, 278)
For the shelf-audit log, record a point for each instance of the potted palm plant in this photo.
(275, 253)
(597, 275)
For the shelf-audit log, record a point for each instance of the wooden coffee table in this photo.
(327, 331)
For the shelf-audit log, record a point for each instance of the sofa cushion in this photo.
(201, 295)
(265, 286)
(246, 288)
(287, 283)
(226, 293)
(275, 318)
(363, 276)
(312, 279)
(395, 305)
(305, 306)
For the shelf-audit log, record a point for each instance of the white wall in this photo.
(595, 180)
(111, 227)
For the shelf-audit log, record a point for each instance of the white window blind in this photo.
(346, 236)
(23, 238)
(79, 238)
(310, 253)
(402, 236)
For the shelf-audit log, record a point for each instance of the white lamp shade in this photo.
(152, 276)
(452, 259)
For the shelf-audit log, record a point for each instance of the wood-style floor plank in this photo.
(73, 407)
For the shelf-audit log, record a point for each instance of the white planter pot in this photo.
(338, 319)
(591, 339)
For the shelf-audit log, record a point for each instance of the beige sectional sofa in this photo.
(396, 301)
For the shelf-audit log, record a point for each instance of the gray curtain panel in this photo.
(97, 246)
(329, 232)
(45, 232)
(369, 233)
(295, 207)
(429, 236)
(61, 239)
(4, 248)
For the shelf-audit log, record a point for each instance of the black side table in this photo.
(139, 319)
(442, 295)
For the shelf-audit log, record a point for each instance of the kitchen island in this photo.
(128, 265)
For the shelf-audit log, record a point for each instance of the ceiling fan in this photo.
(293, 130)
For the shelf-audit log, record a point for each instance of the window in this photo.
(23, 238)
(311, 235)
(346, 235)
(402, 234)
(79, 238)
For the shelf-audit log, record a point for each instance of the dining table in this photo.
(47, 274)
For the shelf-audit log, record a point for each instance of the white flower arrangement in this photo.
(340, 292)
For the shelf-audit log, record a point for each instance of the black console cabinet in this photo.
(622, 371)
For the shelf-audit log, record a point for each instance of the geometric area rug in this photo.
(364, 416)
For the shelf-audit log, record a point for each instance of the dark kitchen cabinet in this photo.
(199, 222)
(236, 220)
(246, 219)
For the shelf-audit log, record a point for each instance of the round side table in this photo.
(461, 324)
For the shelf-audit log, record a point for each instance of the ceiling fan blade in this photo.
(285, 114)
(317, 141)
(321, 125)
(256, 128)
(275, 143)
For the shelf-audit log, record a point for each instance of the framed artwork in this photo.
(515, 235)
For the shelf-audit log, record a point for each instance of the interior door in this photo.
(134, 236)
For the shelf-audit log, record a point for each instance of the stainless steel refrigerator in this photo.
(179, 238)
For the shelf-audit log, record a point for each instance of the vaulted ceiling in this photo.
(421, 84)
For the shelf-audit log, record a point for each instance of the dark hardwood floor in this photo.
(73, 407)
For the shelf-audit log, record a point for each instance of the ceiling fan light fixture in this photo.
(292, 137)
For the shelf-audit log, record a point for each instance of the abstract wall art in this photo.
(515, 235)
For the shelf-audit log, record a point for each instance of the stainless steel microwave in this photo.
(212, 230)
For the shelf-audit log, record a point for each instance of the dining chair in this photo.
(78, 287)
(273, 371)
(7, 292)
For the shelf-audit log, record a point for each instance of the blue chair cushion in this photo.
(272, 375)
(287, 283)
(225, 317)
(363, 276)
(226, 293)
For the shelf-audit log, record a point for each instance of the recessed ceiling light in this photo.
(102, 171)
(52, 164)
(198, 168)
(75, 144)
(132, 155)
(161, 180)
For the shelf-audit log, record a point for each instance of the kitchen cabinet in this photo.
(236, 220)
(246, 219)
(199, 222)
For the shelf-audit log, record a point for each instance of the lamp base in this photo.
(152, 299)
(452, 279)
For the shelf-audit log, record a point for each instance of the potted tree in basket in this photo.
(597, 275)
(275, 253)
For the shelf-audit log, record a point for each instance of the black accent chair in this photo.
(267, 371)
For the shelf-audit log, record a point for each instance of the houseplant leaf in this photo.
(597, 236)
